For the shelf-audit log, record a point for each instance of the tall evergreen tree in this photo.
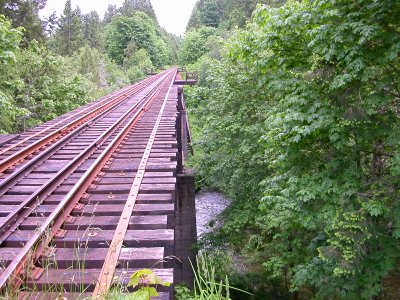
(92, 30)
(224, 13)
(110, 13)
(129, 7)
(211, 13)
(69, 34)
(195, 19)
(50, 24)
(25, 13)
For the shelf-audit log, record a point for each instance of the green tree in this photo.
(136, 57)
(210, 13)
(300, 126)
(130, 7)
(89, 62)
(95, 66)
(224, 13)
(44, 86)
(141, 30)
(50, 24)
(110, 13)
(205, 13)
(9, 41)
(25, 13)
(194, 20)
(92, 31)
(173, 43)
(69, 35)
(194, 44)
(136, 63)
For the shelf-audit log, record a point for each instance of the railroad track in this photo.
(87, 199)
(27, 144)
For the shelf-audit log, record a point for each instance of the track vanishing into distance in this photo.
(87, 199)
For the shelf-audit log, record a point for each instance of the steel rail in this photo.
(41, 237)
(4, 185)
(105, 279)
(31, 148)
(21, 142)
(106, 98)
(11, 222)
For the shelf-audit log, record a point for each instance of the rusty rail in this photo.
(89, 113)
(39, 240)
(22, 211)
(107, 273)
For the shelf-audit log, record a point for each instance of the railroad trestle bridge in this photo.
(98, 193)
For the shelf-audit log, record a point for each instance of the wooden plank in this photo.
(104, 222)
(105, 210)
(70, 258)
(133, 238)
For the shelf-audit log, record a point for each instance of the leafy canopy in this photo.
(194, 44)
(10, 39)
(139, 29)
(300, 125)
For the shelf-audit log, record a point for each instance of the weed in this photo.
(206, 286)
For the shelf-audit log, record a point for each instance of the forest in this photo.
(295, 117)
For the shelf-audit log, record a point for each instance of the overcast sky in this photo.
(173, 15)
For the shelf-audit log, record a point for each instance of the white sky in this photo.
(173, 15)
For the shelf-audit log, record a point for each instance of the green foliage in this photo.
(110, 13)
(173, 43)
(144, 280)
(37, 85)
(136, 63)
(69, 34)
(205, 13)
(300, 126)
(145, 283)
(115, 75)
(9, 112)
(130, 7)
(223, 13)
(195, 45)
(139, 29)
(40, 83)
(90, 63)
(24, 13)
(98, 69)
(138, 58)
(206, 284)
(92, 30)
(10, 39)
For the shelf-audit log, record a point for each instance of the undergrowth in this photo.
(206, 284)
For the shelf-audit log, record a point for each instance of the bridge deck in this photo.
(88, 198)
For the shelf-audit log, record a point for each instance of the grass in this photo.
(206, 285)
